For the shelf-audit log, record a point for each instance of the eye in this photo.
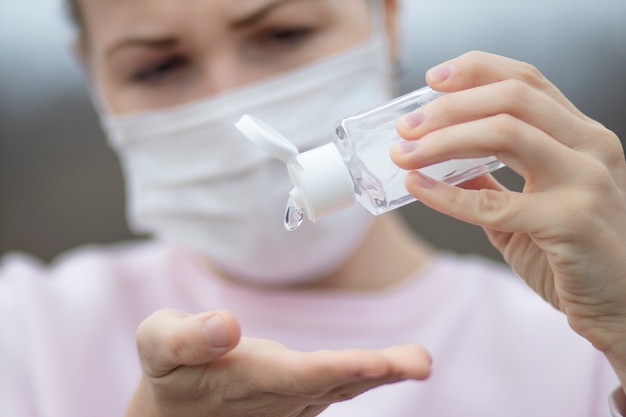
(285, 38)
(160, 70)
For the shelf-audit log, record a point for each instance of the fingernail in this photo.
(216, 332)
(413, 119)
(406, 146)
(422, 180)
(440, 73)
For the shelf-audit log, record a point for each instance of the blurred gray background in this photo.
(60, 185)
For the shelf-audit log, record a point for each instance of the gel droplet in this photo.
(293, 216)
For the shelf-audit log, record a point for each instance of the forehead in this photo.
(108, 20)
(120, 11)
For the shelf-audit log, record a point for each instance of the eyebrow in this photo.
(169, 42)
(144, 41)
(259, 14)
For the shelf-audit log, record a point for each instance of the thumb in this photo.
(169, 338)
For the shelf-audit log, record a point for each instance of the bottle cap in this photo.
(267, 138)
(321, 180)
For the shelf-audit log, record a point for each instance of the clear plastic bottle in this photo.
(356, 166)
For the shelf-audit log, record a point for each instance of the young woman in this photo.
(235, 317)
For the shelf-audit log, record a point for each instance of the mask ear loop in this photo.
(397, 64)
(390, 68)
(100, 105)
(102, 108)
(98, 101)
(378, 17)
(97, 98)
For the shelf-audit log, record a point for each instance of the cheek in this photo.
(108, 92)
(353, 21)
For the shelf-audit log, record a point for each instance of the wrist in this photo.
(607, 335)
(612, 343)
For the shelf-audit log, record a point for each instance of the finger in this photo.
(522, 147)
(320, 372)
(491, 208)
(169, 338)
(479, 68)
(498, 239)
(410, 362)
(488, 182)
(511, 97)
(483, 182)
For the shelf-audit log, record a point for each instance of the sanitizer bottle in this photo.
(356, 166)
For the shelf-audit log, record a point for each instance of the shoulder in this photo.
(124, 258)
(93, 290)
(85, 304)
(95, 272)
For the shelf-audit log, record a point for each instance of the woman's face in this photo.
(150, 54)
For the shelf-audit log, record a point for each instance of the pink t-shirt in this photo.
(68, 335)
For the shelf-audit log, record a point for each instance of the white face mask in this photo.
(193, 179)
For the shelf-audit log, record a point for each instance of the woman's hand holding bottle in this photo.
(565, 233)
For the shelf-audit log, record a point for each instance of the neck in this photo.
(389, 255)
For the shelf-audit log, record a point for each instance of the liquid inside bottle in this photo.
(365, 140)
